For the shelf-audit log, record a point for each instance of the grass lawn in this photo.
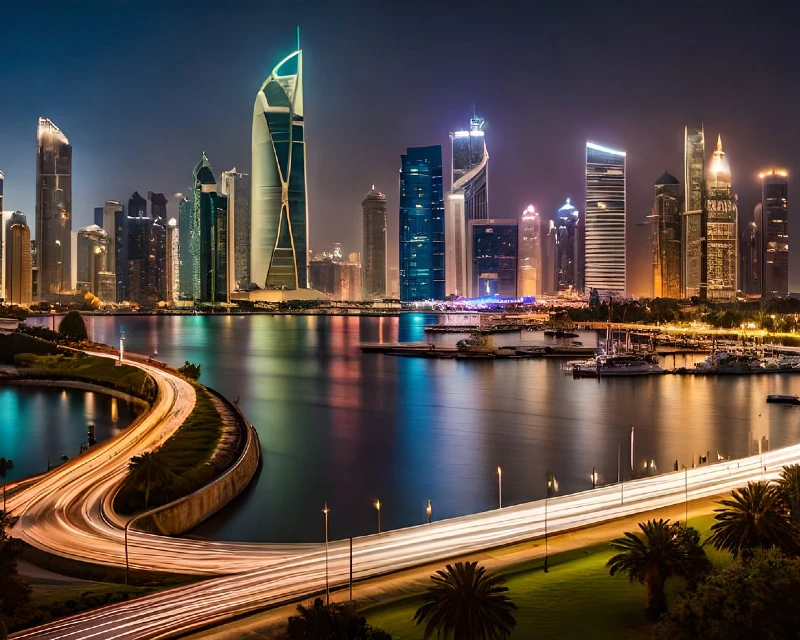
(576, 599)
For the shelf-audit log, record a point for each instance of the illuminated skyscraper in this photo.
(775, 233)
(530, 253)
(53, 210)
(92, 259)
(694, 215)
(209, 244)
(173, 261)
(422, 269)
(106, 218)
(235, 186)
(667, 254)
(279, 221)
(185, 268)
(493, 256)
(605, 219)
(567, 256)
(17, 260)
(721, 233)
(373, 211)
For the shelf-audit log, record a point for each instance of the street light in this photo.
(60, 267)
(127, 562)
(499, 488)
(594, 478)
(378, 507)
(325, 510)
(428, 510)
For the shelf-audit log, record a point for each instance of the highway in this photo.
(66, 513)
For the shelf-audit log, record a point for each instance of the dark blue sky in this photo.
(142, 88)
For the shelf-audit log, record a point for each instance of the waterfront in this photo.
(350, 428)
(40, 424)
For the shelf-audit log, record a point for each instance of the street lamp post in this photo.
(378, 508)
(325, 510)
(499, 488)
(428, 510)
(127, 562)
(545, 535)
(594, 478)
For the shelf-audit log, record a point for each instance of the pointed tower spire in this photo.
(719, 142)
(298, 37)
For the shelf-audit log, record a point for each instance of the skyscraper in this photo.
(173, 261)
(775, 233)
(157, 247)
(468, 199)
(185, 265)
(106, 218)
(373, 213)
(53, 210)
(667, 254)
(17, 260)
(721, 232)
(530, 253)
(493, 254)
(133, 252)
(209, 237)
(694, 214)
(279, 221)
(92, 259)
(605, 219)
(422, 270)
(750, 255)
(235, 186)
(567, 249)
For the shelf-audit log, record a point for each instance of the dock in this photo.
(428, 350)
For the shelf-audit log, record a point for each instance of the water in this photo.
(348, 428)
(38, 425)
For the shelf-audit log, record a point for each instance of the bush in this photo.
(189, 370)
(73, 327)
(16, 343)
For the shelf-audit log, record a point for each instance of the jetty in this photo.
(430, 350)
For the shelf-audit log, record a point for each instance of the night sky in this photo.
(142, 88)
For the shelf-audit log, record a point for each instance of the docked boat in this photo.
(781, 399)
(627, 365)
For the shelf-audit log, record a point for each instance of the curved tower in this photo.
(279, 216)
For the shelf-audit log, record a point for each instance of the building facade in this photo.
(17, 260)
(667, 250)
(185, 266)
(720, 259)
(53, 211)
(173, 262)
(529, 245)
(775, 233)
(750, 256)
(106, 218)
(694, 214)
(235, 186)
(209, 237)
(605, 253)
(93, 253)
(493, 257)
(567, 251)
(373, 218)
(279, 221)
(422, 267)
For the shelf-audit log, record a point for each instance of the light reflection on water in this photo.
(350, 428)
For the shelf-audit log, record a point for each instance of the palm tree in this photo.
(466, 603)
(149, 470)
(789, 489)
(661, 550)
(754, 518)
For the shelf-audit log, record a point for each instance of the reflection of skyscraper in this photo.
(493, 256)
(567, 260)
(667, 254)
(775, 233)
(17, 259)
(53, 210)
(693, 211)
(605, 219)
(373, 211)
(721, 234)
(279, 220)
(422, 270)
(530, 253)
(467, 200)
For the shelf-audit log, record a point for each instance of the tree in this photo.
(788, 488)
(661, 550)
(754, 518)
(149, 471)
(331, 622)
(73, 327)
(14, 592)
(466, 603)
(189, 370)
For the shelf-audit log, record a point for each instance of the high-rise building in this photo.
(235, 186)
(106, 218)
(92, 261)
(605, 219)
(667, 253)
(209, 237)
(549, 254)
(720, 261)
(373, 215)
(173, 261)
(17, 260)
(750, 256)
(53, 210)
(775, 233)
(467, 199)
(157, 247)
(530, 253)
(279, 221)
(694, 214)
(340, 279)
(493, 256)
(567, 250)
(185, 267)
(422, 269)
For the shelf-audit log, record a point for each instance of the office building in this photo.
(493, 257)
(667, 252)
(185, 265)
(235, 186)
(209, 244)
(422, 269)
(17, 264)
(530, 253)
(279, 221)
(339, 279)
(605, 253)
(92, 261)
(775, 233)
(720, 262)
(173, 261)
(53, 211)
(750, 256)
(373, 217)
(567, 250)
(694, 215)
(106, 217)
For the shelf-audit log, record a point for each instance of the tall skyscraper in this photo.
(549, 253)
(467, 199)
(775, 233)
(279, 221)
(92, 261)
(493, 254)
(106, 218)
(235, 186)
(422, 269)
(53, 210)
(694, 214)
(373, 216)
(605, 219)
(173, 261)
(721, 232)
(185, 264)
(567, 250)
(209, 237)
(530, 253)
(667, 253)
(750, 255)
(157, 247)
(17, 260)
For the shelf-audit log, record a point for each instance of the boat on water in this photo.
(560, 333)
(617, 365)
(781, 399)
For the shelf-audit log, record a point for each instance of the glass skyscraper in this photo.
(720, 262)
(373, 260)
(605, 219)
(493, 254)
(235, 186)
(694, 217)
(208, 237)
(53, 211)
(279, 221)
(567, 262)
(667, 254)
(775, 233)
(422, 270)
